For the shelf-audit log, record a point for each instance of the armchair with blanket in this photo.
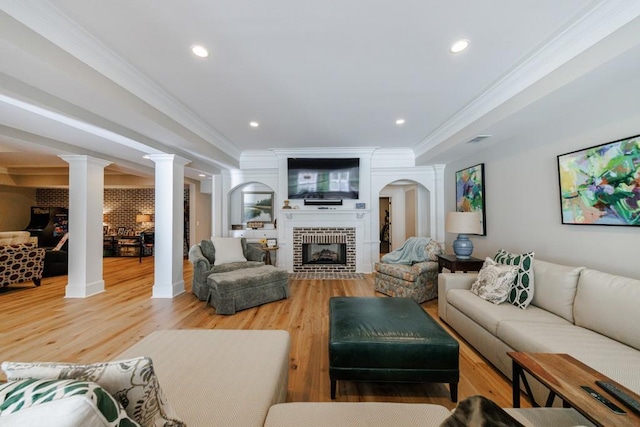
(410, 271)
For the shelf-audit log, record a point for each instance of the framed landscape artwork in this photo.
(601, 185)
(257, 206)
(470, 192)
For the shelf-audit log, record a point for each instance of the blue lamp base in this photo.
(463, 247)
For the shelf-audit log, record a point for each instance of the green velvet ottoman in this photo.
(247, 287)
(389, 340)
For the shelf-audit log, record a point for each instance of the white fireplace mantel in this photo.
(290, 213)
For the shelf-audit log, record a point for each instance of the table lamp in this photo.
(463, 223)
(143, 218)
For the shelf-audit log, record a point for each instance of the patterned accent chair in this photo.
(418, 281)
(21, 262)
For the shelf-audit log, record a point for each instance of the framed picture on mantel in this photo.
(470, 192)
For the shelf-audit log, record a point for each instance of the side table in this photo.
(267, 257)
(453, 264)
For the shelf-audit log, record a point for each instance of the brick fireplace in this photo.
(324, 249)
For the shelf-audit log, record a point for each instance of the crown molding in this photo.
(45, 19)
(598, 23)
(323, 152)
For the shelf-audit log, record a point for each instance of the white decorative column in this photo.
(86, 195)
(438, 205)
(169, 225)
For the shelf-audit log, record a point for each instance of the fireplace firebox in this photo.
(324, 249)
(324, 253)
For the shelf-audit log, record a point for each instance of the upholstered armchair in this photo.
(21, 262)
(203, 257)
(417, 279)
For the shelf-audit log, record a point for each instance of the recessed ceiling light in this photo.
(459, 46)
(201, 175)
(200, 51)
(400, 121)
(254, 124)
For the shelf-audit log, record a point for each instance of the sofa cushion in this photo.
(409, 273)
(132, 382)
(603, 354)
(16, 396)
(494, 281)
(608, 304)
(232, 266)
(555, 287)
(356, 414)
(489, 315)
(228, 250)
(548, 417)
(199, 372)
(14, 237)
(523, 287)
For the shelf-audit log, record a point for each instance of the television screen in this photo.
(311, 178)
(601, 185)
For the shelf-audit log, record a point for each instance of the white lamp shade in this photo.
(143, 218)
(463, 223)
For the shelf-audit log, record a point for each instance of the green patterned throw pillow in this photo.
(522, 291)
(23, 394)
(132, 382)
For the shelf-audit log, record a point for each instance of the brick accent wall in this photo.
(300, 234)
(120, 204)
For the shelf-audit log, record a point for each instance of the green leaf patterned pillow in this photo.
(523, 287)
(132, 382)
(23, 394)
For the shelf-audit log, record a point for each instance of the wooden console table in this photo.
(563, 375)
(453, 264)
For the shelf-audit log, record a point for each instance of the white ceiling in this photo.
(116, 79)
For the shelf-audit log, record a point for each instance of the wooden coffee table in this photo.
(563, 375)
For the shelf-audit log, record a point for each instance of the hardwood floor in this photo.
(39, 324)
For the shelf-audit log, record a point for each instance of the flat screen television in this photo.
(334, 179)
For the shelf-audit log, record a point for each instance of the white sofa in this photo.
(14, 237)
(591, 315)
(239, 378)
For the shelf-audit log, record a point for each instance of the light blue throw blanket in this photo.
(410, 252)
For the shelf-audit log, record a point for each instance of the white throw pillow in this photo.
(25, 400)
(494, 281)
(228, 249)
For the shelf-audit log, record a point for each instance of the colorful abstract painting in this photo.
(601, 185)
(470, 192)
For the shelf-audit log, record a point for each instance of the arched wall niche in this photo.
(235, 197)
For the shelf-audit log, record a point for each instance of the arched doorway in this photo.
(403, 213)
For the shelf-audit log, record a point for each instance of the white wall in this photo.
(15, 207)
(523, 202)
